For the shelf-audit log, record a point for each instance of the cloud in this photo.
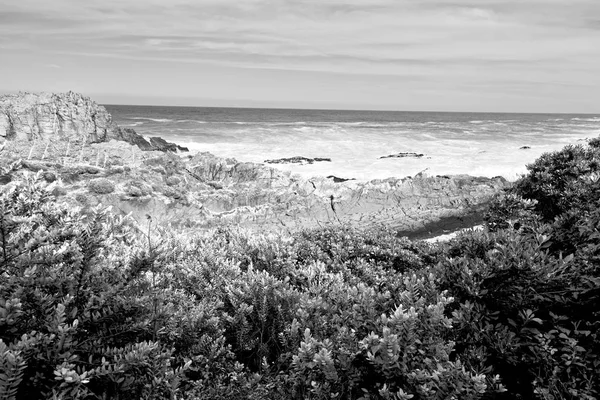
(458, 40)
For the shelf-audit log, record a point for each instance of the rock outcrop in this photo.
(205, 190)
(297, 160)
(68, 116)
(403, 155)
(83, 164)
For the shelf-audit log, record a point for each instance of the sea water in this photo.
(478, 144)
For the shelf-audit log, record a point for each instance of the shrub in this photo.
(85, 309)
(524, 314)
(101, 186)
(173, 180)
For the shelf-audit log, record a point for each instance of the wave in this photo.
(593, 119)
(362, 124)
(153, 119)
(181, 121)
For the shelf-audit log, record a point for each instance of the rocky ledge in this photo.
(69, 117)
(204, 190)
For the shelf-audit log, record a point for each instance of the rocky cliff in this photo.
(67, 116)
(206, 190)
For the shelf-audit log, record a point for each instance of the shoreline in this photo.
(91, 160)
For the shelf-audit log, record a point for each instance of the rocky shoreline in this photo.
(88, 160)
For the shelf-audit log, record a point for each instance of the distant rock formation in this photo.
(68, 116)
(297, 160)
(403, 155)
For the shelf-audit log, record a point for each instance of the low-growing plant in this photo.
(101, 186)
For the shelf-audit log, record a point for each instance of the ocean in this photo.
(478, 144)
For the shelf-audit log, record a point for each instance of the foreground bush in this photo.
(94, 306)
(84, 312)
(524, 314)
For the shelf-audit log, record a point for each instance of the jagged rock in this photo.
(161, 144)
(340, 180)
(205, 190)
(403, 155)
(37, 116)
(130, 136)
(67, 116)
(297, 160)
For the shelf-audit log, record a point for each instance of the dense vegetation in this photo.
(93, 306)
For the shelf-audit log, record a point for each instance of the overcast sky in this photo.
(446, 55)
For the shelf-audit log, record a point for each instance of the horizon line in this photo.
(350, 109)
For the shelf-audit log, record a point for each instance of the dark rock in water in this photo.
(297, 160)
(524, 148)
(340, 180)
(130, 136)
(403, 155)
(161, 144)
(4, 179)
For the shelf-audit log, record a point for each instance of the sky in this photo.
(413, 55)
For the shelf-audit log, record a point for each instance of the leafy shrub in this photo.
(339, 245)
(524, 314)
(173, 180)
(85, 310)
(94, 306)
(101, 186)
(562, 180)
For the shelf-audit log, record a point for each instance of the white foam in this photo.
(355, 149)
(153, 119)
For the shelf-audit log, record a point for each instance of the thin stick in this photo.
(98, 158)
(68, 147)
(45, 150)
(105, 157)
(30, 152)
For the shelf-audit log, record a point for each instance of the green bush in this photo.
(94, 306)
(101, 186)
(85, 310)
(524, 314)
